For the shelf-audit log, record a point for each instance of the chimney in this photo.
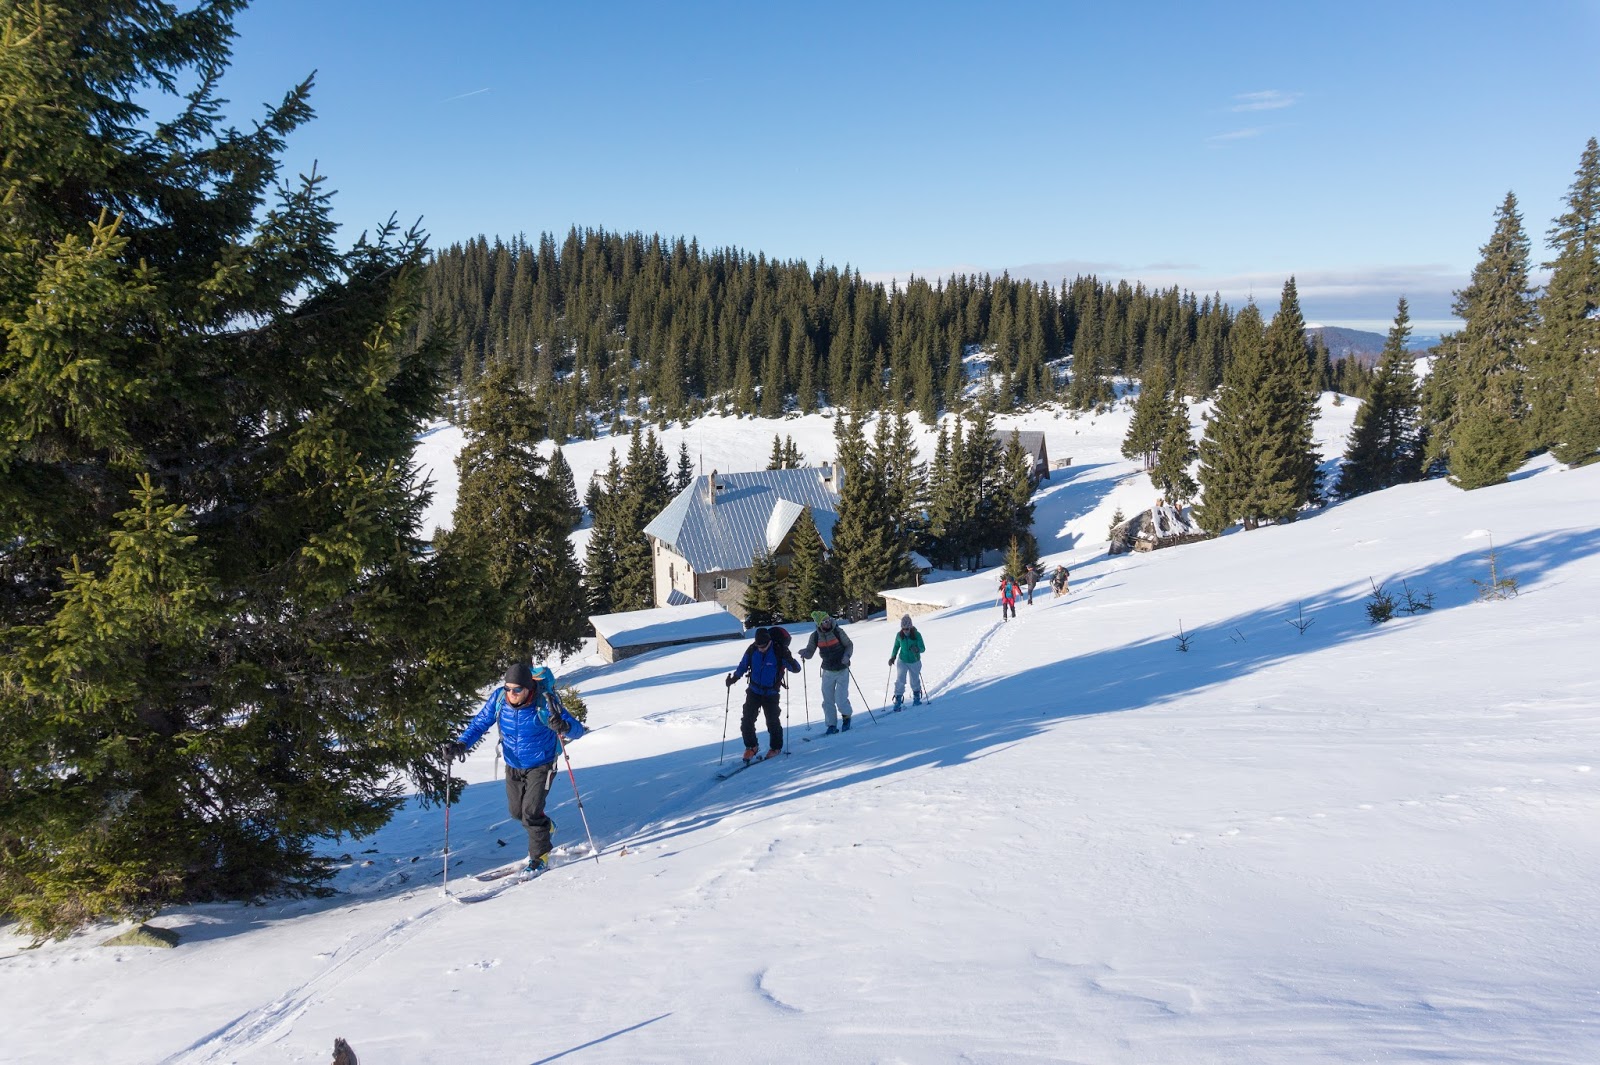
(711, 489)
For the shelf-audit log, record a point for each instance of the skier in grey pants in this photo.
(906, 657)
(834, 647)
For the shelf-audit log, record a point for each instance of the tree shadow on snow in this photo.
(657, 799)
(649, 801)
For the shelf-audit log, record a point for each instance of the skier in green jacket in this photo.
(907, 660)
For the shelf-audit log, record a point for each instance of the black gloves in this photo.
(560, 725)
(455, 751)
(729, 680)
(891, 661)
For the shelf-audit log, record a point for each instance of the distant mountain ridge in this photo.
(1361, 344)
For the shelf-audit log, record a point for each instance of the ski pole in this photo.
(886, 681)
(576, 794)
(727, 701)
(447, 805)
(851, 674)
(787, 721)
(806, 693)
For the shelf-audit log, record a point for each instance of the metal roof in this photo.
(1030, 440)
(753, 512)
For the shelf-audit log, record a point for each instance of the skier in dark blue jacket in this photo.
(764, 660)
(533, 725)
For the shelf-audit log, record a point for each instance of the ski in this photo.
(741, 765)
(501, 877)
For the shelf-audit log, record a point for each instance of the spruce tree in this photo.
(1488, 440)
(646, 489)
(1257, 460)
(1015, 493)
(1175, 451)
(1288, 480)
(1478, 375)
(1565, 363)
(1148, 423)
(600, 556)
(220, 638)
(764, 597)
(944, 498)
(564, 492)
(811, 585)
(895, 457)
(863, 547)
(684, 475)
(1234, 431)
(513, 518)
(1385, 447)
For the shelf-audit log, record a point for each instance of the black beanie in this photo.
(520, 674)
(763, 637)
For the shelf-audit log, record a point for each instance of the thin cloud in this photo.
(1236, 135)
(1266, 100)
(463, 96)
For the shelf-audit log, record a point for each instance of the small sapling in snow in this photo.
(1380, 605)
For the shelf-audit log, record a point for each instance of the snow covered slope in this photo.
(1354, 843)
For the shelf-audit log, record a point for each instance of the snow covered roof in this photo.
(666, 624)
(722, 528)
(927, 595)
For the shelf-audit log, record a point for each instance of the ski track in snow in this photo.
(276, 1019)
(983, 656)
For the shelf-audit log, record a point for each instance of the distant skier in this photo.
(834, 648)
(533, 723)
(1031, 575)
(1058, 581)
(764, 660)
(906, 657)
(1008, 598)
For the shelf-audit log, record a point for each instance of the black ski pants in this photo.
(526, 792)
(755, 703)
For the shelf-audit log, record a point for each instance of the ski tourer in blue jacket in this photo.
(532, 724)
(527, 732)
(764, 661)
(765, 664)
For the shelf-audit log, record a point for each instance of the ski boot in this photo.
(916, 698)
(844, 722)
(750, 754)
(899, 704)
(833, 730)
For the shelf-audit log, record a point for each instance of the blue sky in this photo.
(1362, 147)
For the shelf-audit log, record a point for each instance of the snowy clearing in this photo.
(1351, 843)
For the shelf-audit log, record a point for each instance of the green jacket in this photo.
(908, 649)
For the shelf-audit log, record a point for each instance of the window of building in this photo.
(719, 583)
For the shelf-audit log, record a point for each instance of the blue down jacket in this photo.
(526, 738)
(764, 667)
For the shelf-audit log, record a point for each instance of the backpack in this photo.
(780, 636)
(544, 681)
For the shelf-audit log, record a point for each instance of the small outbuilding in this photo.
(1154, 529)
(924, 599)
(1032, 443)
(633, 632)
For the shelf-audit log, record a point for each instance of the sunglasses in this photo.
(515, 689)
